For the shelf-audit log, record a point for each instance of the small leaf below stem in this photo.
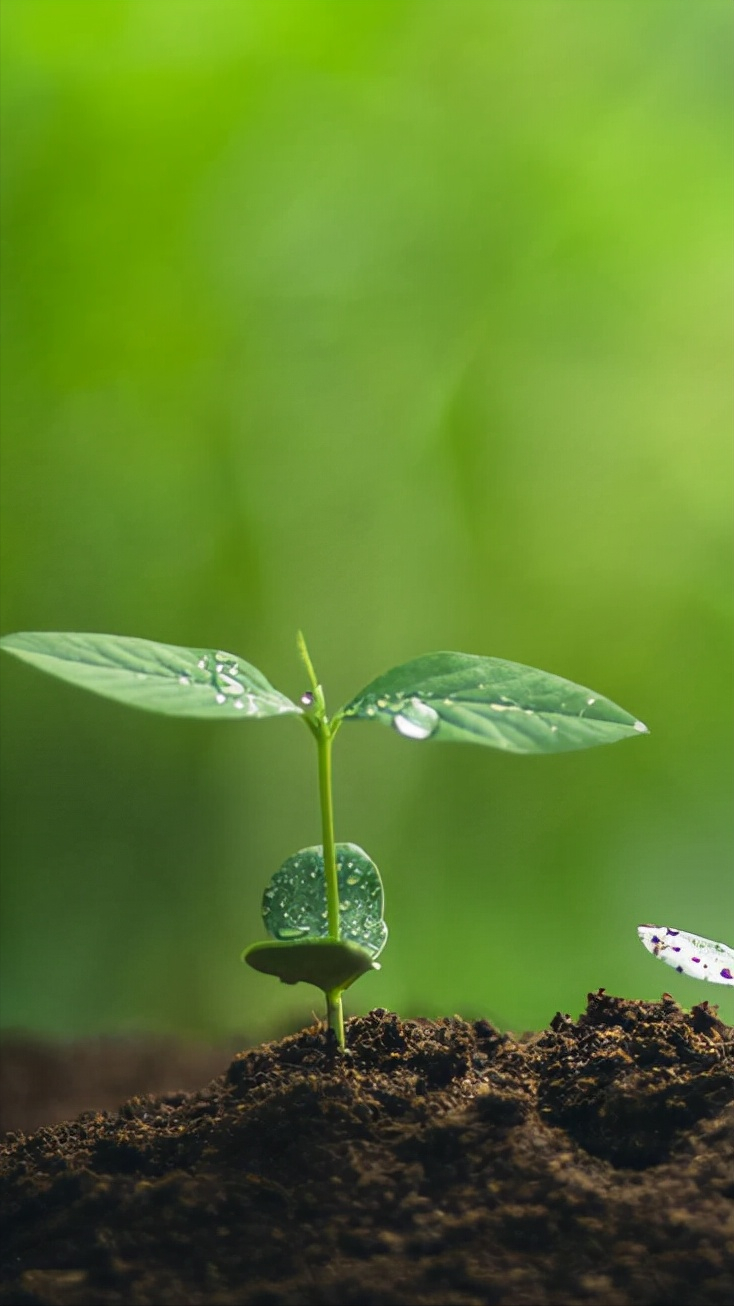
(329, 964)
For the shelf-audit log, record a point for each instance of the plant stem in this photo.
(323, 732)
(306, 659)
(334, 1011)
(323, 744)
(335, 1016)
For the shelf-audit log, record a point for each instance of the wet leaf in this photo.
(466, 699)
(294, 903)
(328, 964)
(193, 682)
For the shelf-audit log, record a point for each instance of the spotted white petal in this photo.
(689, 953)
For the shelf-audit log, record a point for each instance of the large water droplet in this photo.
(416, 720)
(641, 727)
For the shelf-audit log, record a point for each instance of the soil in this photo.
(439, 1162)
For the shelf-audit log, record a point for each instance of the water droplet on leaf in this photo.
(416, 720)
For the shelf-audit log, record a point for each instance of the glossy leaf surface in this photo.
(467, 699)
(294, 903)
(193, 682)
(326, 963)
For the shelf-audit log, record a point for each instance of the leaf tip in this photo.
(641, 728)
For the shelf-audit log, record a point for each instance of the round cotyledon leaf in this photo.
(294, 903)
(467, 699)
(329, 964)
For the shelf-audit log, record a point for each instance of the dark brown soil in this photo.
(441, 1162)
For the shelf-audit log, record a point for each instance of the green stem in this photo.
(323, 732)
(323, 744)
(334, 1010)
(335, 1015)
(306, 659)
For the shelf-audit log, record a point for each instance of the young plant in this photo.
(689, 953)
(323, 908)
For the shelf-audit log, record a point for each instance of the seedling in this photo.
(323, 909)
(689, 953)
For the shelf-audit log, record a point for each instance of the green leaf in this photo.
(466, 699)
(294, 903)
(328, 964)
(193, 682)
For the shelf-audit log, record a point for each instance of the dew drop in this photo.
(416, 720)
(590, 702)
(184, 680)
(641, 728)
(228, 685)
(201, 664)
(221, 698)
(239, 704)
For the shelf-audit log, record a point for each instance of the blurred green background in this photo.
(408, 322)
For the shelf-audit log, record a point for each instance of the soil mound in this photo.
(440, 1162)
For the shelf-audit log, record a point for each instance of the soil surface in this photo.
(439, 1162)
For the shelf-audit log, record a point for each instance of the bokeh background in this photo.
(408, 322)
